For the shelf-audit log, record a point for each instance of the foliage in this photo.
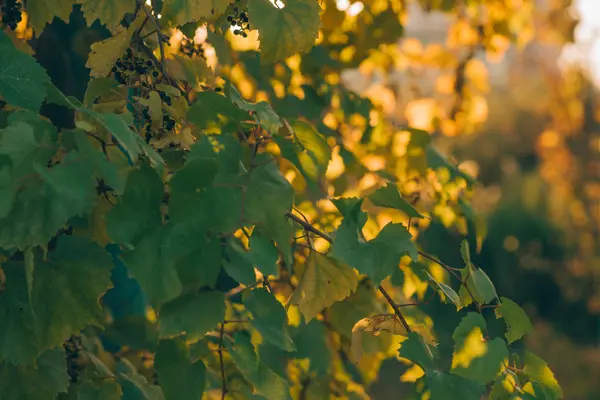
(226, 189)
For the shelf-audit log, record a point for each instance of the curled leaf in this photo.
(375, 325)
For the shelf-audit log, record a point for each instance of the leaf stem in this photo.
(223, 379)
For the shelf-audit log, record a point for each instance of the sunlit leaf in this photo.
(516, 320)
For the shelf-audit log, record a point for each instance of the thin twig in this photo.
(161, 48)
(240, 289)
(308, 227)
(396, 309)
(223, 379)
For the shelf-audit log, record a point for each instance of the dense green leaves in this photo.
(377, 258)
(284, 29)
(22, 79)
(35, 382)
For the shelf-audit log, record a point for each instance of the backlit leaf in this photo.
(108, 12)
(537, 369)
(287, 30)
(178, 376)
(324, 282)
(389, 196)
(182, 11)
(516, 320)
(42, 12)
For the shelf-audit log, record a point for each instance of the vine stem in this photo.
(223, 379)
(310, 228)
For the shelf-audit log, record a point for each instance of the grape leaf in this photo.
(263, 112)
(42, 12)
(285, 31)
(324, 282)
(266, 383)
(238, 265)
(389, 196)
(536, 369)
(190, 314)
(22, 79)
(139, 208)
(155, 272)
(516, 320)
(377, 258)
(104, 54)
(447, 386)
(449, 293)
(108, 12)
(263, 254)
(212, 110)
(416, 350)
(118, 126)
(7, 194)
(24, 148)
(135, 386)
(178, 376)
(309, 342)
(180, 12)
(18, 338)
(40, 381)
(474, 358)
(106, 390)
(269, 318)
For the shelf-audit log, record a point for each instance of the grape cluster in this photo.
(129, 65)
(168, 123)
(72, 348)
(238, 18)
(190, 48)
(11, 13)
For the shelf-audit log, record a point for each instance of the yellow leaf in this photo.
(105, 54)
(375, 325)
(324, 282)
(41, 12)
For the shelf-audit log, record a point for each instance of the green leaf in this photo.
(139, 208)
(263, 254)
(238, 265)
(117, 125)
(108, 12)
(106, 390)
(135, 386)
(474, 358)
(191, 314)
(447, 386)
(7, 194)
(266, 383)
(449, 293)
(73, 278)
(42, 12)
(309, 151)
(269, 318)
(263, 112)
(324, 282)
(537, 370)
(25, 147)
(389, 196)
(40, 381)
(188, 184)
(435, 160)
(213, 110)
(416, 350)
(22, 79)
(180, 12)
(311, 344)
(155, 272)
(267, 186)
(285, 31)
(516, 320)
(97, 88)
(377, 258)
(178, 376)
(478, 282)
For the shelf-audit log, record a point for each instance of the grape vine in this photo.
(193, 231)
